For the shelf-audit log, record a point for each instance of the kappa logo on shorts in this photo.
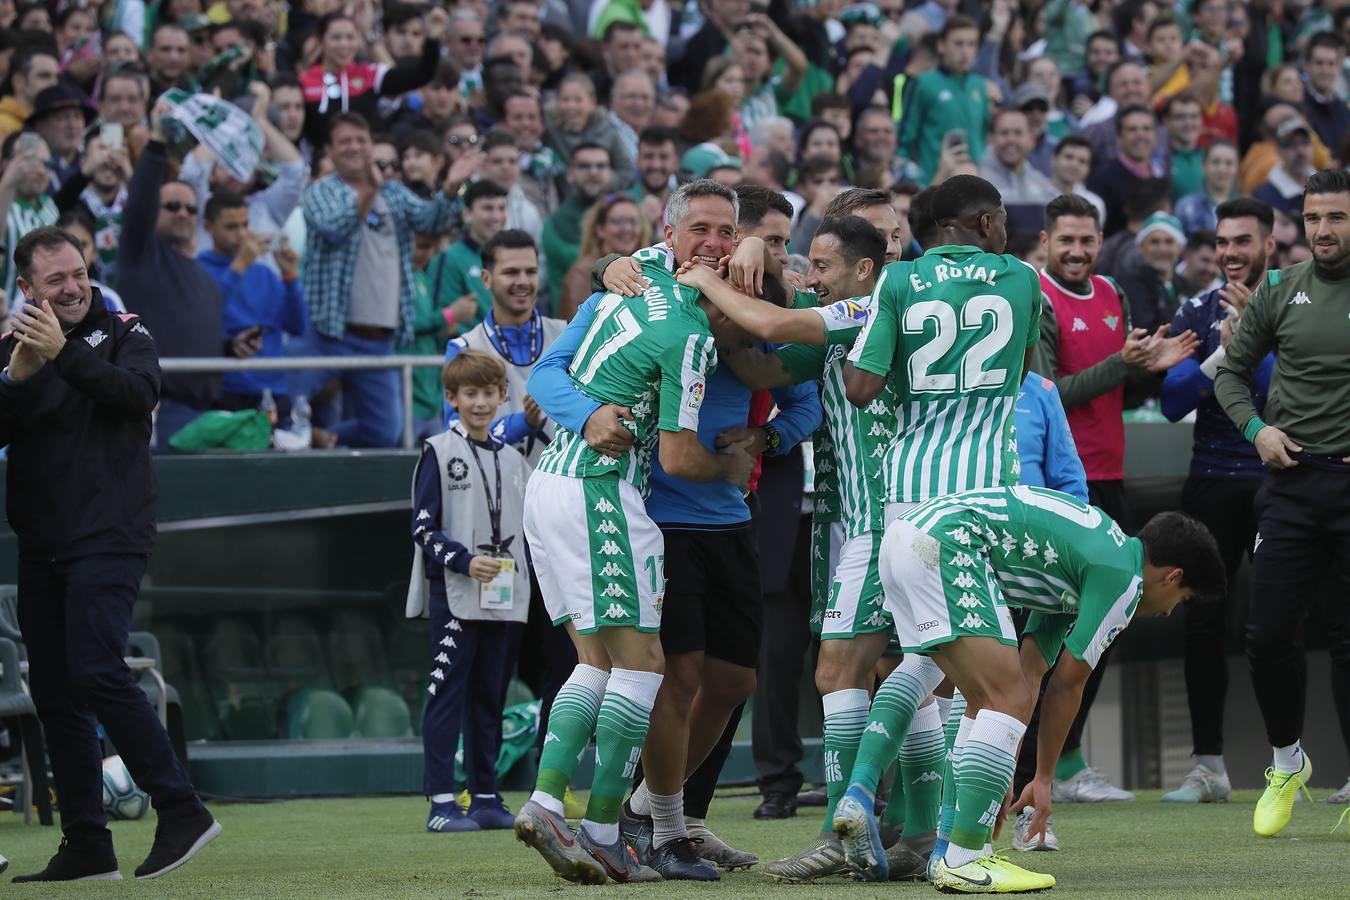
(925, 626)
(607, 527)
(963, 560)
(613, 590)
(968, 601)
(615, 611)
(960, 535)
(880, 430)
(875, 620)
(877, 407)
(612, 569)
(973, 620)
(964, 580)
(604, 506)
(609, 548)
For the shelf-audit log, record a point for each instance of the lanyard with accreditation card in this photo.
(499, 593)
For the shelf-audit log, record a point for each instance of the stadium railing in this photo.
(405, 364)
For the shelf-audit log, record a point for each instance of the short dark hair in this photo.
(422, 139)
(1328, 181)
(1181, 97)
(1242, 207)
(499, 137)
(79, 215)
(1123, 16)
(222, 200)
(757, 201)
(852, 201)
(1166, 20)
(921, 222)
(48, 237)
(1070, 205)
(285, 80)
(1102, 36)
(773, 290)
(962, 195)
(858, 238)
(817, 165)
(957, 22)
(482, 189)
(1327, 39)
(396, 14)
(588, 145)
(1133, 109)
(903, 187)
(1201, 237)
(617, 26)
(778, 162)
(1149, 195)
(1074, 140)
(829, 100)
(23, 58)
(1220, 142)
(506, 239)
(352, 119)
(1175, 539)
(474, 368)
(659, 134)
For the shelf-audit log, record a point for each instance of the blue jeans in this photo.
(372, 408)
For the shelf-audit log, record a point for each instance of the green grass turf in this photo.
(376, 848)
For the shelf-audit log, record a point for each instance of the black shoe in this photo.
(777, 805)
(677, 861)
(70, 864)
(814, 797)
(177, 841)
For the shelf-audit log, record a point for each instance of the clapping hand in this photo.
(37, 328)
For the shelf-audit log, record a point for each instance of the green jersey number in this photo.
(973, 374)
(626, 330)
(1057, 504)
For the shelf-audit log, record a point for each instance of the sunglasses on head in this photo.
(177, 206)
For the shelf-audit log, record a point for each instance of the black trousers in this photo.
(700, 787)
(777, 741)
(1303, 537)
(1109, 497)
(75, 617)
(1227, 508)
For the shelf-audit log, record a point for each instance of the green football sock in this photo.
(983, 775)
(571, 722)
(922, 760)
(845, 718)
(894, 816)
(1069, 764)
(620, 729)
(892, 710)
(954, 740)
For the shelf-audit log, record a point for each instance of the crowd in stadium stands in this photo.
(322, 178)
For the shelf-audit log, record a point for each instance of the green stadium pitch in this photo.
(376, 848)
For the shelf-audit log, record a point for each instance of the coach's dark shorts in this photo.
(713, 600)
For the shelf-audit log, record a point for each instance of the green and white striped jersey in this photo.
(24, 216)
(1050, 552)
(825, 468)
(858, 437)
(950, 331)
(652, 354)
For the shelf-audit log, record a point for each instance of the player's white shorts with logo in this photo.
(856, 605)
(937, 591)
(827, 540)
(599, 557)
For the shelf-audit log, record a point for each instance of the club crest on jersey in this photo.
(96, 337)
(1111, 321)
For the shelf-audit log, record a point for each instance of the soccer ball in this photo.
(122, 799)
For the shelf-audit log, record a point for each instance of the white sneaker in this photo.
(1020, 840)
(1341, 796)
(1088, 786)
(1201, 785)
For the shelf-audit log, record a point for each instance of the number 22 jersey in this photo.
(950, 331)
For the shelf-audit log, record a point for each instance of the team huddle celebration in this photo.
(750, 346)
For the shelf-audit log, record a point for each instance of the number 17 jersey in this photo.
(950, 331)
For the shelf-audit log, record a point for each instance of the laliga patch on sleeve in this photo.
(845, 314)
(694, 395)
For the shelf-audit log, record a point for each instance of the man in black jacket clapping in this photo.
(76, 393)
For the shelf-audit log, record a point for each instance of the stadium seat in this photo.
(317, 713)
(294, 655)
(380, 712)
(143, 644)
(16, 705)
(178, 659)
(356, 653)
(244, 697)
